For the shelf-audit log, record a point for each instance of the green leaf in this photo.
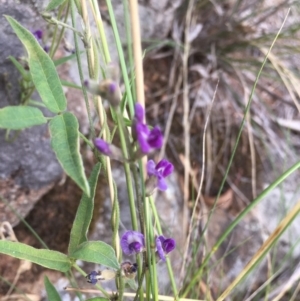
(50, 259)
(52, 293)
(84, 213)
(65, 143)
(97, 252)
(42, 70)
(53, 4)
(20, 117)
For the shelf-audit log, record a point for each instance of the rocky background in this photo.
(33, 183)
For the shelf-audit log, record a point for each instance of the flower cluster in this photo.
(147, 139)
(133, 242)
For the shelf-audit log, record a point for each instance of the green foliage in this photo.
(65, 143)
(50, 259)
(52, 293)
(42, 70)
(20, 117)
(84, 213)
(97, 252)
(54, 4)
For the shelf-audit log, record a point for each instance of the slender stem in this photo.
(92, 130)
(24, 222)
(149, 242)
(87, 141)
(159, 230)
(120, 126)
(52, 47)
(121, 288)
(101, 31)
(13, 286)
(153, 273)
(137, 51)
(63, 28)
(121, 58)
(129, 47)
(88, 40)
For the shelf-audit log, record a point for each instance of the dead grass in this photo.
(226, 42)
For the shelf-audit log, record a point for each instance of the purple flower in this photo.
(92, 277)
(147, 139)
(38, 34)
(164, 246)
(132, 242)
(112, 87)
(138, 113)
(160, 171)
(102, 146)
(109, 150)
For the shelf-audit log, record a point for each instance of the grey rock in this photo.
(28, 167)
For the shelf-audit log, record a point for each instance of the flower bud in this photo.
(128, 269)
(107, 89)
(109, 150)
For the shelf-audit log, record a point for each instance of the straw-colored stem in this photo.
(137, 51)
(263, 250)
(108, 168)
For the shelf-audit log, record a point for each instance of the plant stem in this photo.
(121, 58)
(92, 130)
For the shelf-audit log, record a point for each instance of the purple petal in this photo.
(92, 277)
(169, 245)
(151, 170)
(132, 242)
(102, 146)
(38, 34)
(161, 184)
(164, 168)
(155, 138)
(136, 247)
(159, 248)
(112, 87)
(138, 113)
(142, 133)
